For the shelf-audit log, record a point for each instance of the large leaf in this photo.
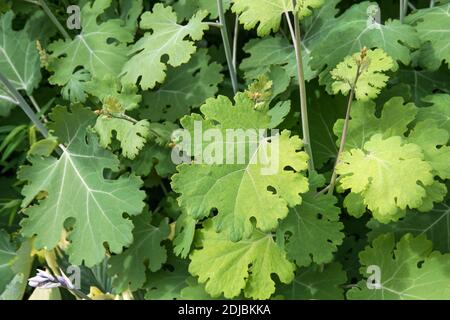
(186, 87)
(364, 123)
(241, 191)
(93, 49)
(435, 224)
(229, 267)
(387, 169)
(312, 230)
(19, 58)
(75, 188)
(433, 27)
(146, 252)
(316, 283)
(166, 39)
(410, 270)
(7, 255)
(267, 14)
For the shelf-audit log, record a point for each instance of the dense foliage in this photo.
(358, 91)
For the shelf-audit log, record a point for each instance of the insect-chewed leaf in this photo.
(187, 8)
(312, 229)
(395, 118)
(439, 110)
(229, 267)
(167, 38)
(372, 78)
(132, 136)
(409, 270)
(76, 189)
(147, 248)
(240, 190)
(92, 49)
(186, 86)
(433, 27)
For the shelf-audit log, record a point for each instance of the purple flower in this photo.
(46, 280)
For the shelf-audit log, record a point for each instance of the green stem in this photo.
(55, 21)
(235, 41)
(403, 9)
(24, 106)
(226, 43)
(432, 2)
(296, 39)
(344, 132)
(214, 24)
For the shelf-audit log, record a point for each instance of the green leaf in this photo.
(387, 169)
(327, 110)
(166, 39)
(439, 110)
(229, 267)
(152, 156)
(21, 267)
(410, 270)
(275, 57)
(132, 136)
(92, 49)
(312, 230)
(184, 235)
(372, 78)
(186, 8)
(167, 284)
(241, 192)
(433, 26)
(146, 252)
(75, 188)
(186, 87)
(315, 283)
(433, 142)
(422, 83)
(355, 29)
(7, 255)
(74, 90)
(267, 14)
(394, 120)
(19, 58)
(435, 224)
(125, 96)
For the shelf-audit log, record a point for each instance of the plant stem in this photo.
(432, 3)
(403, 9)
(344, 131)
(296, 39)
(55, 21)
(35, 104)
(214, 24)
(226, 43)
(24, 106)
(235, 42)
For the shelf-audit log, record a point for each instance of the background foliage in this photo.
(97, 188)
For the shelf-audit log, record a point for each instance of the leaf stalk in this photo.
(296, 39)
(226, 43)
